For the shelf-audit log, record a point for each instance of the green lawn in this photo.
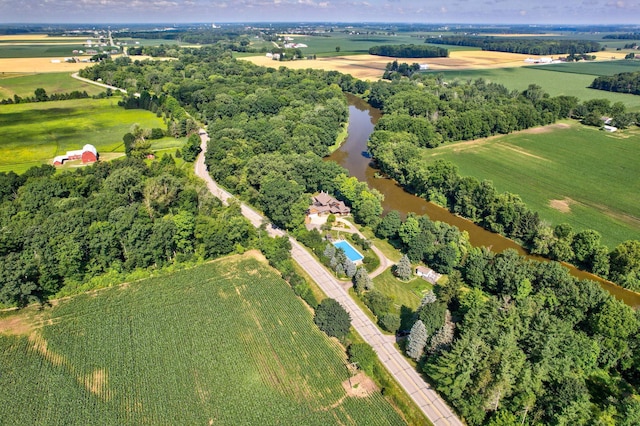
(597, 171)
(34, 133)
(60, 82)
(227, 343)
(407, 293)
(556, 83)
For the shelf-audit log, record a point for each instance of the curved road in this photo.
(422, 393)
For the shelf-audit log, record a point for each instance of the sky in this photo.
(569, 12)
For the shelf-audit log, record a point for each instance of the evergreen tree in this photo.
(403, 268)
(362, 281)
(417, 340)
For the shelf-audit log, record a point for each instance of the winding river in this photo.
(352, 155)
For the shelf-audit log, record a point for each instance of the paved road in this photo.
(424, 396)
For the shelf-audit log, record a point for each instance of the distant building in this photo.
(424, 67)
(88, 154)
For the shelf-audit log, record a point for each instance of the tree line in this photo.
(625, 36)
(409, 51)
(528, 46)
(625, 82)
(40, 95)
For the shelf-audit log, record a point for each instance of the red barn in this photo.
(88, 154)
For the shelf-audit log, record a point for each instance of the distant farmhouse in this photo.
(88, 154)
(325, 204)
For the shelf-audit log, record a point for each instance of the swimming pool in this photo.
(352, 254)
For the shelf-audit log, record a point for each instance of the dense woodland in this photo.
(424, 115)
(506, 341)
(624, 36)
(625, 82)
(409, 51)
(107, 219)
(528, 46)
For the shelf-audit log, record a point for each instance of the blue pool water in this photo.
(351, 253)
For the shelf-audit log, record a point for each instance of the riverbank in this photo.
(353, 156)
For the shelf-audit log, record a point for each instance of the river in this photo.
(352, 155)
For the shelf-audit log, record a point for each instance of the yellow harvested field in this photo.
(39, 65)
(371, 67)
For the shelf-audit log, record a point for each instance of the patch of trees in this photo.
(40, 95)
(513, 341)
(393, 70)
(625, 82)
(528, 46)
(108, 219)
(431, 111)
(409, 51)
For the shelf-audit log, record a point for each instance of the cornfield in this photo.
(224, 343)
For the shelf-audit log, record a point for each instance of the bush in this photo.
(363, 355)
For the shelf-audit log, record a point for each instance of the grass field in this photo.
(25, 84)
(556, 83)
(34, 133)
(226, 343)
(567, 172)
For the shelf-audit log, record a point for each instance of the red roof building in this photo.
(88, 154)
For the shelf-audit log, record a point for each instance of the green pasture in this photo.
(227, 343)
(598, 172)
(41, 50)
(59, 82)
(34, 133)
(553, 82)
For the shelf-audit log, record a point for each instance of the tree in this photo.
(332, 318)
(389, 226)
(337, 48)
(362, 281)
(403, 268)
(191, 149)
(389, 322)
(41, 95)
(417, 340)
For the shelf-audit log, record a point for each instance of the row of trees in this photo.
(109, 218)
(40, 95)
(625, 82)
(528, 46)
(409, 51)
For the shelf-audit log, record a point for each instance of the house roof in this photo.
(323, 198)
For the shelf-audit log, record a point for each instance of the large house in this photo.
(325, 204)
(88, 154)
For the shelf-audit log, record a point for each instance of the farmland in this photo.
(34, 133)
(224, 343)
(24, 85)
(567, 172)
(561, 79)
